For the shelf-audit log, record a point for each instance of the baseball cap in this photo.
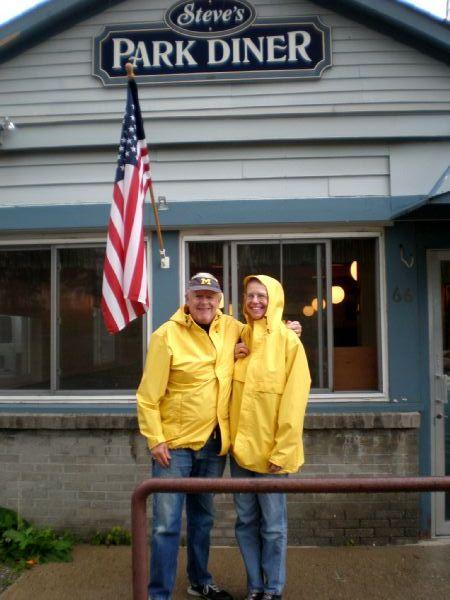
(203, 281)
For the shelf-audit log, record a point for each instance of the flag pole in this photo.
(165, 260)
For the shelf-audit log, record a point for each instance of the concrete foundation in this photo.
(77, 472)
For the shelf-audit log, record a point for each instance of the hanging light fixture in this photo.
(314, 303)
(308, 311)
(337, 294)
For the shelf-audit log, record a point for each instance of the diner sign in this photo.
(213, 40)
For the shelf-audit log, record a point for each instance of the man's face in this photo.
(256, 300)
(203, 305)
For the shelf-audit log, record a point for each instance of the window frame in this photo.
(325, 237)
(85, 396)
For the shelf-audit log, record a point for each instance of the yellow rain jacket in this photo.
(270, 391)
(185, 388)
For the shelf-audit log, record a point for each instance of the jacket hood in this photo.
(275, 306)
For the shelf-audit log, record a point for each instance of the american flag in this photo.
(125, 287)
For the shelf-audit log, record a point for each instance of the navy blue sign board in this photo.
(214, 41)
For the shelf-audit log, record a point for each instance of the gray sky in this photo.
(12, 8)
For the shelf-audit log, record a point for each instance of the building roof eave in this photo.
(45, 20)
(438, 195)
(391, 17)
(369, 211)
(404, 22)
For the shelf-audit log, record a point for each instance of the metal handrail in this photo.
(304, 485)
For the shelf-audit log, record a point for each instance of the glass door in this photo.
(331, 286)
(301, 269)
(439, 298)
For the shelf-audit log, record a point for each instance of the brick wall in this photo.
(78, 471)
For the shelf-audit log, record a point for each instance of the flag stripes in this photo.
(125, 285)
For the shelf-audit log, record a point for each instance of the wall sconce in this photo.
(162, 203)
(6, 124)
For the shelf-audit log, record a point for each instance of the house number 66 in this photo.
(398, 296)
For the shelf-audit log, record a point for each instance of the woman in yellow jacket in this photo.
(270, 391)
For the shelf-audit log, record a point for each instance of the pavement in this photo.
(415, 572)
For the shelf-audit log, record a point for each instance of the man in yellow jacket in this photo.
(183, 404)
(270, 391)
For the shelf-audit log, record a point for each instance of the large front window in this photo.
(331, 286)
(53, 339)
(52, 335)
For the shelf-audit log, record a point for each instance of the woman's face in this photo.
(256, 300)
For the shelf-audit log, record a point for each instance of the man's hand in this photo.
(274, 468)
(295, 326)
(161, 454)
(240, 350)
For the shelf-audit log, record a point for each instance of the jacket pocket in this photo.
(240, 369)
(269, 382)
(171, 416)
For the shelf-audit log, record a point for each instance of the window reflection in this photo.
(90, 358)
(304, 281)
(355, 315)
(24, 319)
(207, 257)
(256, 259)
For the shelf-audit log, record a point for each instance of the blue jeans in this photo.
(167, 512)
(261, 532)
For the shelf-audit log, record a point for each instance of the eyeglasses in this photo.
(258, 297)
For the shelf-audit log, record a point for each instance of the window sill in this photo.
(87, 398)
(317, 397)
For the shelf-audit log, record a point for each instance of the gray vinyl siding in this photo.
(53, 80)
(192, 173)
(225, 141)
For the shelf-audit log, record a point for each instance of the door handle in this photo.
(441, 388)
